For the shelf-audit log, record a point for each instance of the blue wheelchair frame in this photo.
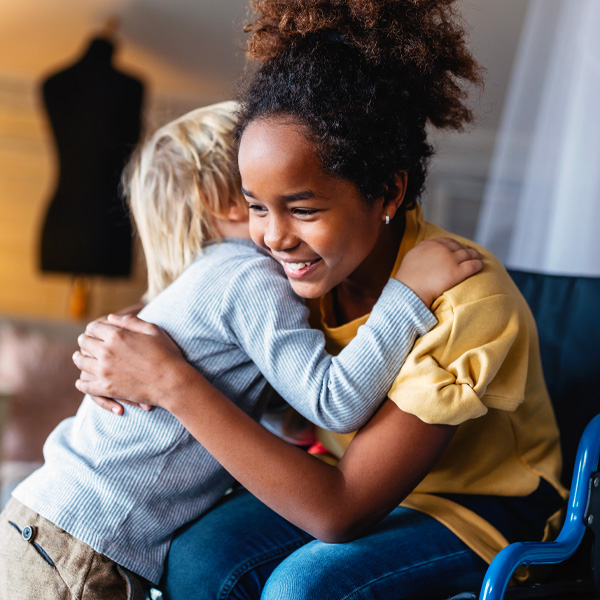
(579, 515)
(566, 311)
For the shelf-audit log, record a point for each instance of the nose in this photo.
(279, 235)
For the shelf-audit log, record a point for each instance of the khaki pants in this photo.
(40, 561)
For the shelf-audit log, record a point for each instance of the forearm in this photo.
(338, 393)
(364, 371)
(385, 461)
(295, 484)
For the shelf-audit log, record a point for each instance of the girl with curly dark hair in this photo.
(463, 456)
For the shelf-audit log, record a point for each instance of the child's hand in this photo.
(436, 265)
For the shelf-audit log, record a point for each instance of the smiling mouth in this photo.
(299, 269)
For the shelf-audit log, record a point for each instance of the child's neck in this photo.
(234, 229)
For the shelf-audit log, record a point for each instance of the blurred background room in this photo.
(78, 79)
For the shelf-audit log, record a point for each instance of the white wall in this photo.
(459, 169)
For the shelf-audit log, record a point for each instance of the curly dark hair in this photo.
(363, 77)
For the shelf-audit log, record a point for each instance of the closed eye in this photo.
(256, 208)
(304, 212)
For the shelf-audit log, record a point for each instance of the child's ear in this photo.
(394, 195)
(236, 213)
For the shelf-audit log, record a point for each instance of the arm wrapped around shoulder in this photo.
(476, 358)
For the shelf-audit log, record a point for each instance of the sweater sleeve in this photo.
(470, 362)
(270, 322)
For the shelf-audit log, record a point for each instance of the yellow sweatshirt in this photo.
(480, 369)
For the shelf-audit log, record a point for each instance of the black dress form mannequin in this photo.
(95, 115)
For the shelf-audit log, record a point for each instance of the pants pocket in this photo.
(136, 590)
(27, 534)
(27, 570)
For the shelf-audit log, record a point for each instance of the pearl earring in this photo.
(387, 219)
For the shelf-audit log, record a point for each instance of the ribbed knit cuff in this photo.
(398, 304)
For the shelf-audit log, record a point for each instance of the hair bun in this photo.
(422, 39)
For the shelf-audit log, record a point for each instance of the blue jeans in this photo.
(243, 550)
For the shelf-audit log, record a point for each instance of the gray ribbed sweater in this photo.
(123, 485)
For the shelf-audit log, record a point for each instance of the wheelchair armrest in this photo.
(571, 535)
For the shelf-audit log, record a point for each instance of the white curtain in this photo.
(541, 209)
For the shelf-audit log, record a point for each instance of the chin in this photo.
(306, 290)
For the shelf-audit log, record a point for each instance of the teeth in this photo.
(295, 266)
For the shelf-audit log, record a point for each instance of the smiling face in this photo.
(317, 226)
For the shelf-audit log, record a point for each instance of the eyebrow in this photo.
(304, 195)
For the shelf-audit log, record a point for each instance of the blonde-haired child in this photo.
(180, 185)
(100, 514)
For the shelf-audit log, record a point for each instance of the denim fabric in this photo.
(39, 561)
(243, 550)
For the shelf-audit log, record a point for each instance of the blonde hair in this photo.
(177, 182)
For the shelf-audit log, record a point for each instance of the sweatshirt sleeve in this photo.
(265, 318)
(470, 362)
